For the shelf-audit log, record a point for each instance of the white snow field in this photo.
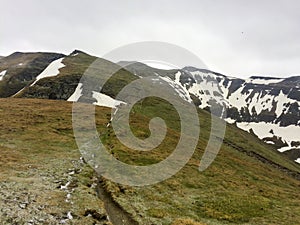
(52, 70)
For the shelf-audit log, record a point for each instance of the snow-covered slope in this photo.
(267, 107)
(270, 108)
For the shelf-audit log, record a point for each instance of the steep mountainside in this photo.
(43, 180)
(267, 107)
(20, 69)
(61, 80)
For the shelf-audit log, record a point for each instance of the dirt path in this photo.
(117, 215)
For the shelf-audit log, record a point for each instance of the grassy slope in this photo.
(63, 85)
(235, 189)
(37, 156)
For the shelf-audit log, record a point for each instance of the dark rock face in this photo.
(53, 88)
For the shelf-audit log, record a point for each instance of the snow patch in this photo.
(260, 103)
(64, 187)
(155, 79)
(2, 74)
(69, 215)
(102, 99)
(285, 148)
(105, 100)
(282, 100)
(297, 160)
(177, 77)
(77, 94)
(239, 100)
(225, 89)
(230, 120)
(206, 87)
(51, 71)
(262, 130)
(160, 65)
(263, 81)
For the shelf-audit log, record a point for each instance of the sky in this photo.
(235, 37)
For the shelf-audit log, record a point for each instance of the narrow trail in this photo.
(293, 174)
(117, 215)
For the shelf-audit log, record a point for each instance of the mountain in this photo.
(45, 180)
(61, 79)
(267, 107)
(19, 69)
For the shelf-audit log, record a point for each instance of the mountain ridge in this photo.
(266, 106)
(249, 182)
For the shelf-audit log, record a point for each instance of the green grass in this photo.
(235, 189)
(37, 148)
(64, 85)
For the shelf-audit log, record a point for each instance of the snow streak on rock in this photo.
(51, 71)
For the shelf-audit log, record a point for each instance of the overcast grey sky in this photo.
(235, 37)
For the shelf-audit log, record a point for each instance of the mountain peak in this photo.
(76, 51)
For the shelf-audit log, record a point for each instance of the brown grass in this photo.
(37, 149)
(186, 222)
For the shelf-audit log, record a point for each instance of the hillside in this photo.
(43, 177)
(266, 107)
(248, 183)
(20, 69)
